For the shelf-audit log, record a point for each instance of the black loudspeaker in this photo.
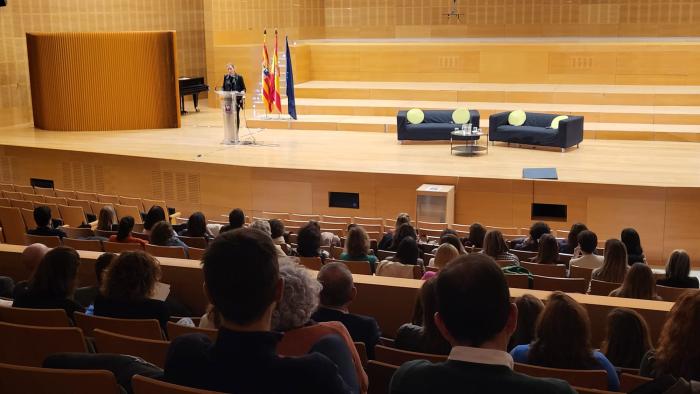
(3, 3)
(344, 200)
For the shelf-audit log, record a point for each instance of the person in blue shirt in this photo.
(563, 340)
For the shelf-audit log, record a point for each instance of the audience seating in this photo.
(51, 241)
(144, 385)
(85, 204)
(177, 252)
(312, 263)
(568, 285)
(132, 201)
(72, 216)
(7, 187)
(670, 293)
(602, 288)
(346, 220)
(196, 253)
(4, 202)
(85, 196)
(175, 330)
(56, 200)
(379, 375)
(151, 350)
(552, 270)
(195, 242)
(78, 232)
(358, 267)
(94, 245)
(118, 247)
(523, 255)
(35, 317)
(583, 390)
(28, 217)
(580, 272)
(304, 217)
(362, 352)
(64, 193)
(13, 227)
(385, 254)
(37, 199)
(44, 191)
(335, 252)
(108, 199)
(128, 210)
(140, 328)
(275, 215)
(24, 189)
(16, 379)
(397, 357)
(629, 382)
(518, 281)
(96, 206)
(595, 379)
(30, 345)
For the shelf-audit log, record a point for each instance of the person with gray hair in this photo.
(264, 226)
(292, 316)
(338, 293)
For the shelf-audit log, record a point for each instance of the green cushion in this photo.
(461, 116)
(415, 116)
(555, 121)
(517, 118)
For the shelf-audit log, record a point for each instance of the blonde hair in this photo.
(445, 253)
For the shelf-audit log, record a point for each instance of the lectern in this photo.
(228, 108)
(435, 203)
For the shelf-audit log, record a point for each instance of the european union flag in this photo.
(291, 101)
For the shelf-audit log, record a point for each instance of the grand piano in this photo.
(192, 86)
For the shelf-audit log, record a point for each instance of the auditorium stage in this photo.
(653, 186)
(610, 162)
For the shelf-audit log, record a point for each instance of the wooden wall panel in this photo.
(103, 81)
(666, 218)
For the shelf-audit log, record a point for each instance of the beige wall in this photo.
(22, 16)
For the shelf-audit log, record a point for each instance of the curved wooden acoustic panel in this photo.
(103, 81)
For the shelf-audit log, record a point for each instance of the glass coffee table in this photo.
(471, 145)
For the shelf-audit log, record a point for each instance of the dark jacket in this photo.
(412, 338)
(452, 376)
(47, 231)
(146, 309)
(247, 362)
(29, 299)
(361, 328)
(685, 283)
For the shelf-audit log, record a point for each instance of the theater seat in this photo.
(144, 385)
(15, 379)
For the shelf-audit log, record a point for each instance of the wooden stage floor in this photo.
(611, 162)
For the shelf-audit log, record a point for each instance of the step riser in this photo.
(391, 128)
(597, 117)
(503, 97)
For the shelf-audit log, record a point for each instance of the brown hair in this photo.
(56, 276)
(563, 335)
(357, 243)
(639, 283)
(428, 306)
(547, 250)
(131, 277)
(402, 218)
(161, 233)
(106, 218)
(494, 244)
(529, 310)
(678, 352)
(614, 262)
(678, 266)
(627, 338)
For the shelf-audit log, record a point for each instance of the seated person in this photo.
(563, 340)
(357, 248)
(126, 225)
(547, 250)
(86, 295)
(627, 338)
(127, 288)
(403, 263)
(477, 232)
(293, 318)
(236, 220)
(569, 245)
(53, 284)
(495, 246)
(278, 234)
(162, 234)
(444, 254)
(155, 214)
(107, 219)
(678, 271)
(388, 238)
(241, 279)
(422, 334)
(614, 266)
(337, 294)
(30, 258)
(587, 244)
(405, 230)
(639, 283)
(309, 242)
(42, 217)
(529, 310)
(475, 315)
(531, 243)
(633, 244)
(264, 226)
(197, 227)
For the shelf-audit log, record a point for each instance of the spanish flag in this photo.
(276, 76)
(267, 94)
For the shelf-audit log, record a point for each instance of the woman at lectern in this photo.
(234, 82)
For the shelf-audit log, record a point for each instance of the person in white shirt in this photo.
(587, 243)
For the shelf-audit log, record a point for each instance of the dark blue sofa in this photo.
(437, 125)
(536, 130)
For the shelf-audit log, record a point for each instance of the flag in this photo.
(276, 78)
(291, 101)
(267, 94)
